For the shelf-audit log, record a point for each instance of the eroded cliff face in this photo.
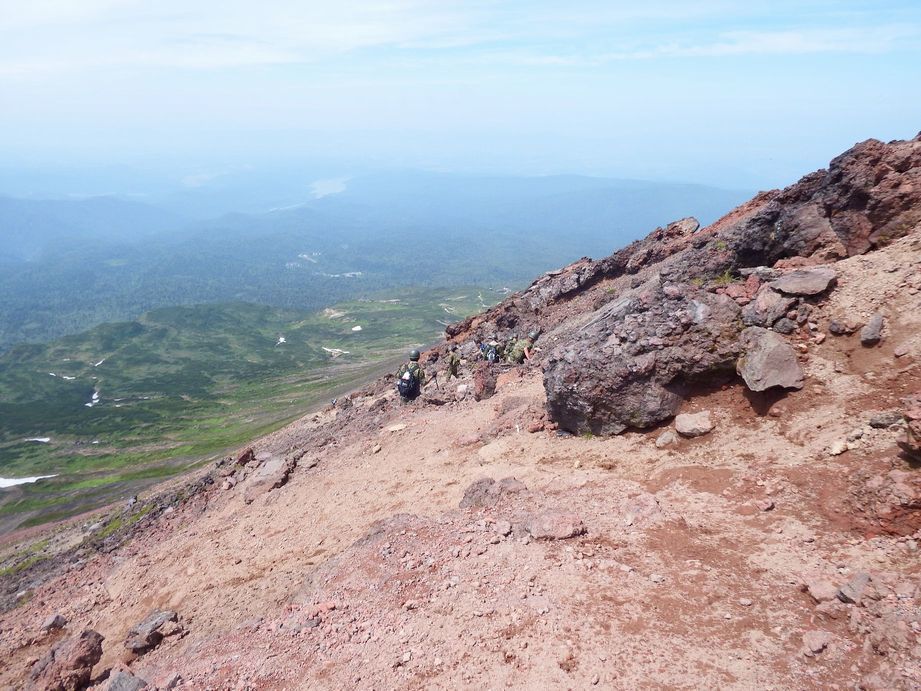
(626, 337)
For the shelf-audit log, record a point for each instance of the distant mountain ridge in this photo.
(72, 264)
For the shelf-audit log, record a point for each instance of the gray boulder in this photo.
(150, 632)
(628, 366)
(872, 333)
(768, 361)
(806, 282)
(123, 680)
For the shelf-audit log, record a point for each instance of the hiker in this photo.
(529, 350)
(410, 378)
(523, 349)
(492, 351)
(452, 362)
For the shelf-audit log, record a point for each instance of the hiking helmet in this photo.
(414, 355)
(533, 335)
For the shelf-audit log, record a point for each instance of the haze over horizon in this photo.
(741, 95)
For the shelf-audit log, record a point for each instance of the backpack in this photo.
(408, 382)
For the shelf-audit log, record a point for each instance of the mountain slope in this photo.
(778, 550)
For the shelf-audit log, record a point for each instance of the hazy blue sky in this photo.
(751, 93)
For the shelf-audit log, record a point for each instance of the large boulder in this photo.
(68, 666)
(768, 361)
(629, 366)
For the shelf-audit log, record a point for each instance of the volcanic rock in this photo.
(123, 680)
(150, 632)
(768, 361)
(54, 622)
(885, 419)
(627, 365)
(784, 326)
(840, 328)
(767, 307)
(806, 282)
(246, 456)
(872, 333)
(68, 665)
(484, 381)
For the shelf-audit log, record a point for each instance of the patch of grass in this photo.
(725, 278)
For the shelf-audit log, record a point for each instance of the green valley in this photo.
(122, 405)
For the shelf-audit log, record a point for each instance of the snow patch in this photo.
(40, 440)
(335, 352)
(12, 482)
(356, 328)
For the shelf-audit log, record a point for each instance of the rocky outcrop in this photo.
(68, 666)
(624, 338)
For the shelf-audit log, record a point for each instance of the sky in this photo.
(747, 94)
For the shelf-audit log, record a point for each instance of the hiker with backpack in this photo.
(410, 378)
(452, 363)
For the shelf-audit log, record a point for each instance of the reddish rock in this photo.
(536, 426)
(68, 666)
(484, 381)
(246, 456)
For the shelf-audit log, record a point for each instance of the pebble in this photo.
(657, 578)
(745, 602)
